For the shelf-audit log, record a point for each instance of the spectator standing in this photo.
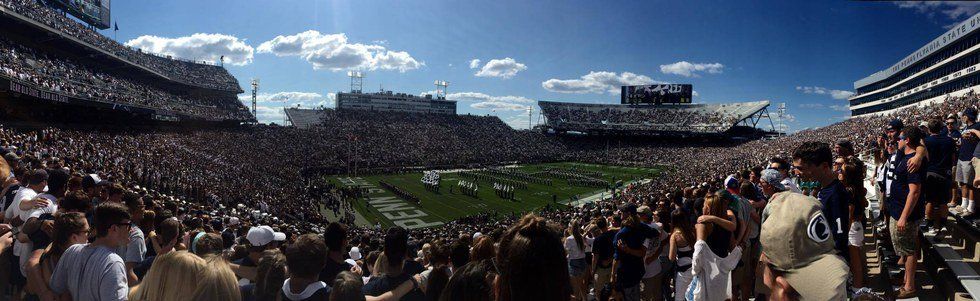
(76, 272)
(965, 173)
(814, 161)
(304, 260)
(800, 259)
(939, 172)
(905, 208)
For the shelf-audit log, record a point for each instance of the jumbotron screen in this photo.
(657, 94)
(93, 12)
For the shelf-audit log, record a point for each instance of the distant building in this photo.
(945, 67)
(395, 102)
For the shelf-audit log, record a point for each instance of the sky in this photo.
(502, 56)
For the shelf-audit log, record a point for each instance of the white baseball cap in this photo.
(263, 235)
(355, 253)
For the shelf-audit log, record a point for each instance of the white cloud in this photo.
(498, 106)
(841, 108)
(517, 121)
(954, 10)
(835, 94)
(483, 97)
(596, 82)
(811, 105)
(199, 47)
(269, 105)
(687, 69)
(503, 68)
(485, 101)
(333, 52)
(474, 63)
(267, 114)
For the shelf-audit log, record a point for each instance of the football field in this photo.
(545, 184)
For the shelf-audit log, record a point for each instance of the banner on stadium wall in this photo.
(657, 94)
(32, 92)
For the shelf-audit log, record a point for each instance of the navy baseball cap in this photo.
(628, 208)
(971, 112)
(895, 124)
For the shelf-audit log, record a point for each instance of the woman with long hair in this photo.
(69, 229)
(471, 282)
(269, 277)
(532, 264)
(852, 176)
(681, 251)
(712, 263)
(174, 276)
(577, 265)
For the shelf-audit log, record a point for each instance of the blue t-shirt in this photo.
(631, 268)
(940, 150)
(901, 178)
(835, 200)
(967, 146)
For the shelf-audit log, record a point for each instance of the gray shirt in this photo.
(134, 251)
(90, 273)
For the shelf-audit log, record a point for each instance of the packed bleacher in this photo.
(699, 118)
(233, 210)
(73, 78)
(189, 73)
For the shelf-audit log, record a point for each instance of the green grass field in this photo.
(385, 208)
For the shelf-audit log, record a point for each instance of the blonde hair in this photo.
(218, 282)
(716, 207)
(173, 276)
(381, 267)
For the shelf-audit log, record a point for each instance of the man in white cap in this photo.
(798, 251)
(259, 238)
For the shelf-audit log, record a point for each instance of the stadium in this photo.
(154, 168)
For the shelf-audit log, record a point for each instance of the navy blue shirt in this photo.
(955, 134)
(940, 150)
(968, 145)
(901, 178)
(602, 246)
(631, 268)
(835, 200)
(380, 285)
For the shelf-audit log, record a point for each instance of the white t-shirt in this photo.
(654, 268)
(574, 252)
(23, 250)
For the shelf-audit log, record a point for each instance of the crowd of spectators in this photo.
(244, 196)
(186, 72)
(68, 77)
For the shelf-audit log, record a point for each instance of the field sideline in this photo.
(382, 206)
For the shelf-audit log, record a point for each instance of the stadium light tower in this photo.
(441, 87)
(530, 109)
(356, 81)
(781, 112)
(255, 90)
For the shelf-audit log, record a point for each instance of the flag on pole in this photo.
(116, 26)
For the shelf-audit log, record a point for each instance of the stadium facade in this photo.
(945, 67)
(682, 120)
(387, 101)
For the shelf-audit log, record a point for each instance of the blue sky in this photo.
(804, 54)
